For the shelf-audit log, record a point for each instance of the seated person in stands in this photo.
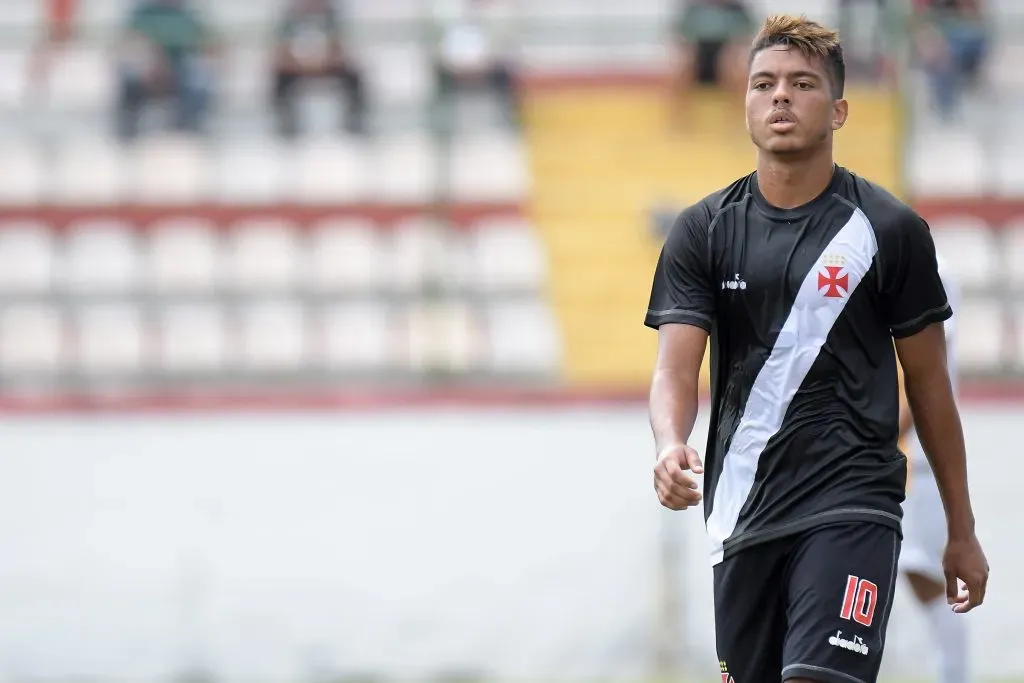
(60, 15)
(863, 27)
(472, 51)
(166, 53)
(309, 46)
(712, 42)
(951, 38)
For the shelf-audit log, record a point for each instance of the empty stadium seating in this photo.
(404, 168)
(186, 300)
(238, 261)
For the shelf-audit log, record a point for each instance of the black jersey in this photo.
(802, 306)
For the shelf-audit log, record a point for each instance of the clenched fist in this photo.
(676, 487)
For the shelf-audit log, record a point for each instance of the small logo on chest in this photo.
(736, 283)
(833, 280)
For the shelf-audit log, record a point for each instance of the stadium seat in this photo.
(346, 255)
(418, 254)
(357, 337)
(403, 10)
(24, 175)
(168, 169)
(110, 339)
(82, 78)
(263, 254)
(246, 78)
(507, 255)
(1012, 248)
(981, 343)
(404, 169)
(27, 258)
(14, 86)
(398, 75)
(23, 16)
(272, 337)
(522, 338)
(31, 339)
(970, 249)
(90, 173)
(330, 171)
(1008, 169)
(250, 16)
(192, 339)
(184, 256)
(250, 173)
(101, 257)
(102, 14)
(442, 336)
(1018, 325)
(946, 163)
(821, 11)
(1002, 68)
(489, 168)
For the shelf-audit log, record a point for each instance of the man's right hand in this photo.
(677, 489)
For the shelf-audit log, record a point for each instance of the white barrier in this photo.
(514, 543)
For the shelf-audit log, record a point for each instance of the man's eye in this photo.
(804, 85)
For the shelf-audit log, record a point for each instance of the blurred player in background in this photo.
(924, 530)
(803, 274)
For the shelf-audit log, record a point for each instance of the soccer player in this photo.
(803, 273)
(924, 531)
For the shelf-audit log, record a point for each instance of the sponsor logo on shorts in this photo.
(857, 643)
(726, 678)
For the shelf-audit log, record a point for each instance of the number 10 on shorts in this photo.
(859, 601)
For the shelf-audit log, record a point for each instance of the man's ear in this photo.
(840, 111)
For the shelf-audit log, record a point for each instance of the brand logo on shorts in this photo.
(856, 645)
(726, 678)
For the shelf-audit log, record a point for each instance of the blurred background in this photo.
(321, 343)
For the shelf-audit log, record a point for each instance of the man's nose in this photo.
(781, 95)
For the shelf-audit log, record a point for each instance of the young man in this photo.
(924, 531)
(803, 274)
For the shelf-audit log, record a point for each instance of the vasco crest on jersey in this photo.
(833, 278)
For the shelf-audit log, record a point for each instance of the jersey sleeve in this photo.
(912, 292)
(682, 291)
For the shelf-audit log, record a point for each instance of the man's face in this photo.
(790, 109)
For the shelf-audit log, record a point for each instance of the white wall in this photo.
(520, 543)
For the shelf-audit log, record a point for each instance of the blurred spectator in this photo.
(952, 40)
(863, 27)
(712, 43)
(60, 15)
(473, 51)
(166, 53)
(309, 46)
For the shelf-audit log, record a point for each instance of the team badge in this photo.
(833, 280)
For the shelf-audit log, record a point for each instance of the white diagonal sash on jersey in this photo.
(797, 347)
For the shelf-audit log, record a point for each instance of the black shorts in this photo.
(814, 605)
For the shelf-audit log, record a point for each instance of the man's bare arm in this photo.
(929, 394)
(906, 417)
(674, 388)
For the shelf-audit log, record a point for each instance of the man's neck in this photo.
(787, 184)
